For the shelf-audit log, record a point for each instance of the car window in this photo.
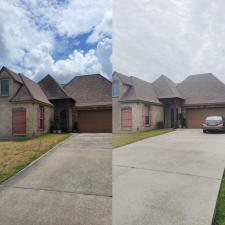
(214, 118)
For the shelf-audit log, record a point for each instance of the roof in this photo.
(199, 89)
(202, 89)
(30, 91)
(14, 75)
(90, 90)
(124, 79)
(166, 88)
(52, 89)
(140, 91)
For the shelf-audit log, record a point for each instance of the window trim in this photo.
(4, 95)
(147, 114)
(42, 118)
(115, 92)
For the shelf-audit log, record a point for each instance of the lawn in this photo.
(16, 154)
(220, 208)
(121, 139)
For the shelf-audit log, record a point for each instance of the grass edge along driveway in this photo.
(17, 154)
(219, 218)
(121, 139)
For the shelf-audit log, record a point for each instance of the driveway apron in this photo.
(71, 185)
(172, 179)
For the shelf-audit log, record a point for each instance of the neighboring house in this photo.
(140, 105)
(29, 108)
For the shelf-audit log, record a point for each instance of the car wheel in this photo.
(204, 131)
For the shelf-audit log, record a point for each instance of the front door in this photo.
(64, 122)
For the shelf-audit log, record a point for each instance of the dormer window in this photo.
(4, 87)
(115, 89)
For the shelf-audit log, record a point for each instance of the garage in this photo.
(19, 122)
(98, 121)
(195, 117)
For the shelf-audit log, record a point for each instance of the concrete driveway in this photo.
(172, 179)
(71, 185)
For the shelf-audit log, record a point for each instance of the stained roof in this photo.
(52, 89)
(90, 90)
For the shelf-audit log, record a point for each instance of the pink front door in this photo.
(126, 117)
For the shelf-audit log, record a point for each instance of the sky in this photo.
(63, 38)
(173, 37)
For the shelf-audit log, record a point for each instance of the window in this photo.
(42, 115)
(4, 87)
(116, 89)
(146, 116)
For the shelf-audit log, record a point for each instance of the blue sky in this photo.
(63, 38)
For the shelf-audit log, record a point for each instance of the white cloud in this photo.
(103, 29)
(174, 37)
(29, 27)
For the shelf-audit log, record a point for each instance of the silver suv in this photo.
(214, 123)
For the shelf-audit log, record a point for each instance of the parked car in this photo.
(214, 123)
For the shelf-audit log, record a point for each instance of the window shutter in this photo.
(38, 118)
(44, 118)
(143, 115)
(151, 118)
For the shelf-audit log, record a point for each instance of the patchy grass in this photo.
(121, 139)
(16, 154)
(220, 208)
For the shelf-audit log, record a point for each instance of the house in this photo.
(29, 108)
(139, 105)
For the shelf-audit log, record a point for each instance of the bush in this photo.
(160, 124)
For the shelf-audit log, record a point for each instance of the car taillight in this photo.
(221, 122)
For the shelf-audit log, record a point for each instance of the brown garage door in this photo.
(19, 122)
(95, 121)
(195, 117)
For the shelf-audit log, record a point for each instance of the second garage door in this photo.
(95, 121)
(195, 117)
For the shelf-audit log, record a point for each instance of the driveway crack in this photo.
(166, 171)
(59, 191)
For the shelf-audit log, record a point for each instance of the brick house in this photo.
(29, 108)
(140, 105)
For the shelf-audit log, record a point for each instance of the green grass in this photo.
(121, 139)
(220, 208)
(17, 154)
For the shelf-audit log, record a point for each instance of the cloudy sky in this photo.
(172, 37)
(60, 37)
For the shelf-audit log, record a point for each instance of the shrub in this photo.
(160, 124)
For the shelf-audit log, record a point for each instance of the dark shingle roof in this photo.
(166, 88)
(52, 89)
(90, 90)
(14, 75)
(202, 89)
(30, 91)
(140, 91)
